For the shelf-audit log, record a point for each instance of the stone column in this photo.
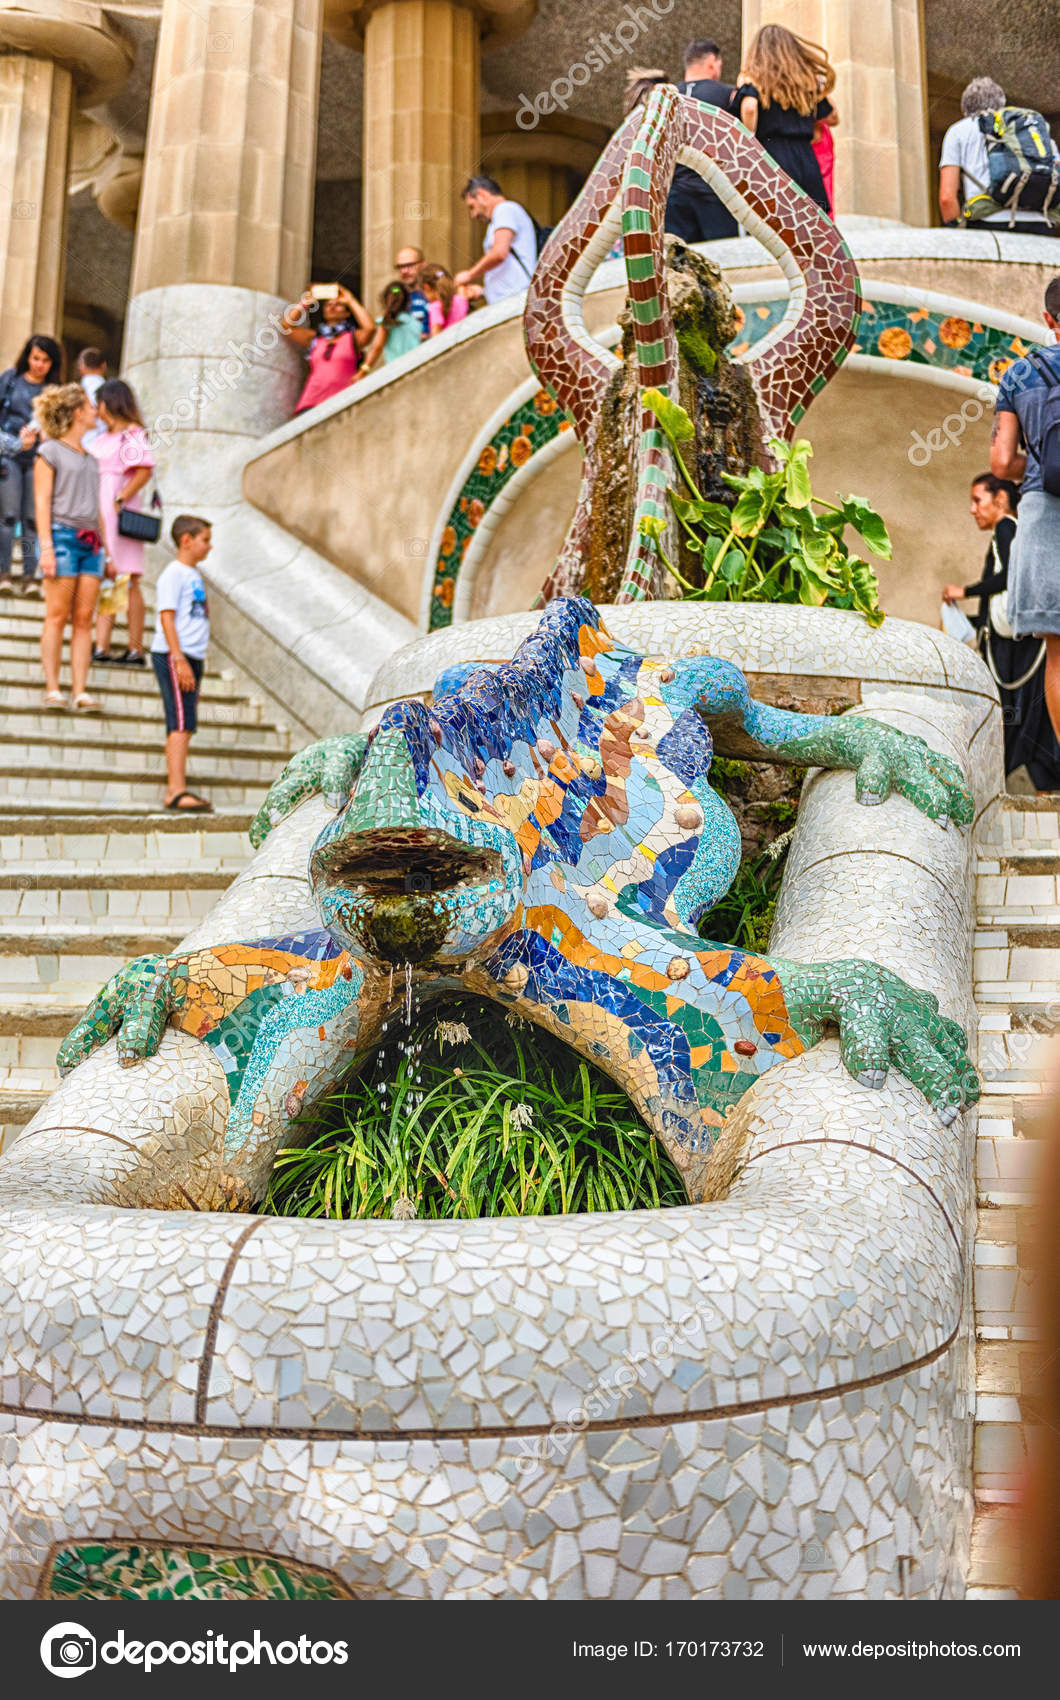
(542, 168)
(223, 234)
(881, 143)
(51, 57)
(421, 122)
(421, 138)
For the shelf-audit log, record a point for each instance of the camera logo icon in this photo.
(417, 883)
(68, 1650)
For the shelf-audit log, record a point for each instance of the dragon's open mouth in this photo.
(427, 863)
(398, 892)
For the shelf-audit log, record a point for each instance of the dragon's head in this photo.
(458, 806)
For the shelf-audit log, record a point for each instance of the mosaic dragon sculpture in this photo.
(545, 834)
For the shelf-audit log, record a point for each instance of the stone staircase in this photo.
(93, 870)
(1017, 989)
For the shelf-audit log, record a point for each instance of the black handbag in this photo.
(145, 528)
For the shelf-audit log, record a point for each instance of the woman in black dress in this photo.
(784, 84)
(1017, 665)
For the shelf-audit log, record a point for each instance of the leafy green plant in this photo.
(522, 1127)
(777, 542)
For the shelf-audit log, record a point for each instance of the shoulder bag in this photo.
(145, 528)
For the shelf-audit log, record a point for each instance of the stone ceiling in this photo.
(1024, 56)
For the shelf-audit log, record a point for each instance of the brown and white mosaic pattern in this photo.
(626, 193)
(762, 1397)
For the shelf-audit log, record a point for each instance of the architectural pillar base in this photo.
(212, 373)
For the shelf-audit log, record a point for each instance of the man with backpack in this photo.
(999, 166)
(1025, 446)
(510, 247)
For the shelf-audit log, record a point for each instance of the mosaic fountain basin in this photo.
(764, 1396)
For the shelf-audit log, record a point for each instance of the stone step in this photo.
(1007, 1163)
(17, 1107)
(1011, 1369)
(125, 683)
(999, 895)
(1034, 831)
(69, 962)
(24, 644)
(1035, 928)
(1002, 1443)
(31, 1084)
(1023, 954)
(114, 904)
(62, 821)
(60, 876)
(39, 1016)
(130, 729)
(84, 938)
(96, 758)
(103, 789)
(1003, 1282)
(996, 1553)
(1036, 861)
(1020, 1057)
(132, 707)
(1013, 804)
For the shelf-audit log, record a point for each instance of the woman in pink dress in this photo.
(125, 466)
(333, 328)
(446, 303)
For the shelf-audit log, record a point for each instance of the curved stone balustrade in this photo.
(760, 1397)
(392, 549)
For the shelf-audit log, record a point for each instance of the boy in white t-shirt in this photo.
(178, 653)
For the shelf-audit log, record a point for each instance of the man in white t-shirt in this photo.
(964, 167)
(509, 251)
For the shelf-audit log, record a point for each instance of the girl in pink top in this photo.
(125, 467)
(446, 304)
(333, 330)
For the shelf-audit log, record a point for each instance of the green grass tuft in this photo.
(511, 1123)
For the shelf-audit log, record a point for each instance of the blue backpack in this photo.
(1049, 446)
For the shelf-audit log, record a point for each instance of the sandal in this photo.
(86, 704)
(197, 806)
(53, 699)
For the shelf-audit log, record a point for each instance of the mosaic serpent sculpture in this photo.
(544, 834)
(626, 195)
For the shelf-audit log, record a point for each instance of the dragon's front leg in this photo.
(284, 1018)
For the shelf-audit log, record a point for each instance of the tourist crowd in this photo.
(76, 458)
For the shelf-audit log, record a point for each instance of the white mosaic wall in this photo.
(391, 1400)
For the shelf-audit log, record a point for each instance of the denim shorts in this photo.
(72, 556)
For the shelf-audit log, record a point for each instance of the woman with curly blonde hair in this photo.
(784, 85)
(70, 530)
